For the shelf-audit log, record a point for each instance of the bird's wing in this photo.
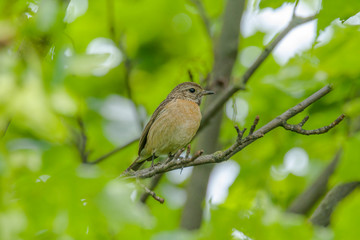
(143, 138)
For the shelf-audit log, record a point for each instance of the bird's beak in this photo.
(205, 92)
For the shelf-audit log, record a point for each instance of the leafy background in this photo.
(111, 63)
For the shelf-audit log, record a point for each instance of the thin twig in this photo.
(240, 133)
(128, 66)
(177, 155)
(203, 15)
(82, 142)
(154, 182)
(253, 127)
(303, 121)
(294, 9)
(111, 19)
(107, 155)
(5, 129)
(151, 193)
(224, 155)
(298, 127)
(191, 77)
(295, 21)
(196, 155)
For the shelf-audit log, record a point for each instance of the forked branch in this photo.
(298, 127)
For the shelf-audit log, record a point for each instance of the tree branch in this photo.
(322, 214)
(156, 179)
(228, 93)
(240, 144)
(128, 67)
(295, 21)
(203, 15)
(304, 202)
(298, 127)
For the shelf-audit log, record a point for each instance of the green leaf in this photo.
(349, 166)
(271, 3)
(343, 49)
(120, 214)
(333, 9)
(352, 108)
(345, 219)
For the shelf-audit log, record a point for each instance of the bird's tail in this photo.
(136, 164)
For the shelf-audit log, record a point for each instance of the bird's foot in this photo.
(152, 161)
(188, 149)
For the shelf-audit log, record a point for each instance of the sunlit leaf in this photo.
(271, 3)
(332, 9)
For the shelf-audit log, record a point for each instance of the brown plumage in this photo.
(173, 124)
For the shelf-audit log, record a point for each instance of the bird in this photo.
(173, 124)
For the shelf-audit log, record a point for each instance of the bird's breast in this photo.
(175, 127)
(185, 114)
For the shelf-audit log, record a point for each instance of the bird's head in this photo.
(189, 91)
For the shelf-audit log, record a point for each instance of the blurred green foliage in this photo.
(53, 72)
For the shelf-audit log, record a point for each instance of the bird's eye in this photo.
(192, 90)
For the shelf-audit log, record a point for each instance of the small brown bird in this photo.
(173, 124)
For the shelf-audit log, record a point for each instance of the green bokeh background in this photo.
(47, 82)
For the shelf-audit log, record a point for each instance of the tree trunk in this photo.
(225, 55)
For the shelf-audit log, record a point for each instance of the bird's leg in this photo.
(188, 149)
(170, 157)
(152, 161)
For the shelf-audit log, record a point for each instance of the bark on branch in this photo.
(240, 144)
(298, 127)
(322, 214)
